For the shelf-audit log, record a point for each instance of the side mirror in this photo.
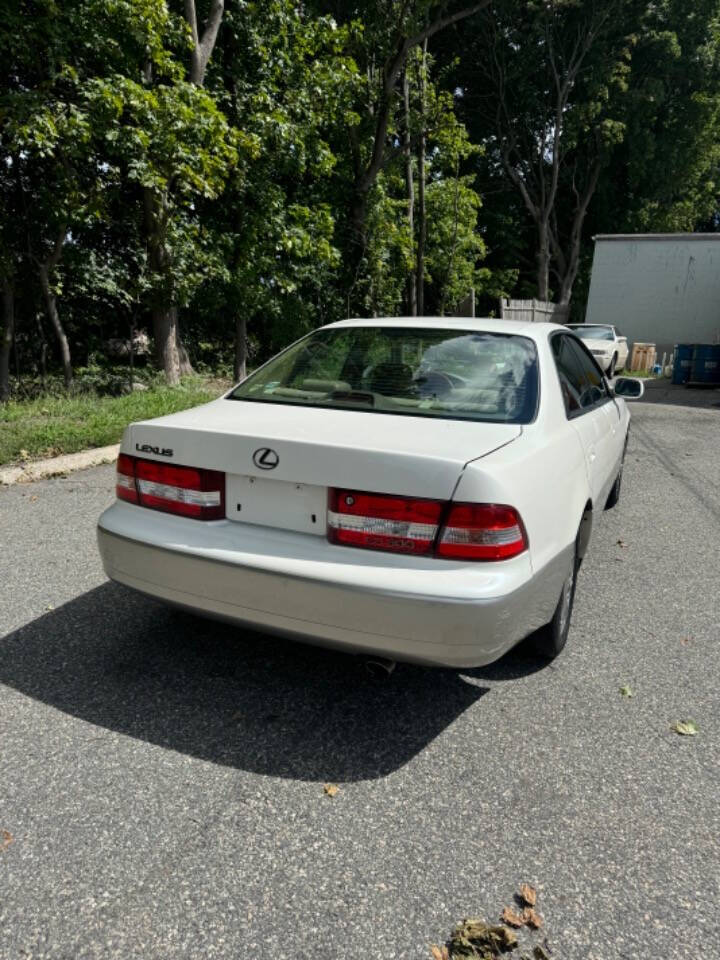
(629, 388)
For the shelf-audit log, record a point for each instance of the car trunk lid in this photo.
(280, 459)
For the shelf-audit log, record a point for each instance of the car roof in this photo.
(523, 328)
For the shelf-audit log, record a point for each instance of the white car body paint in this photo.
(269, 565)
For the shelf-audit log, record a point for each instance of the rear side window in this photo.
(417, 371)
(581, 381)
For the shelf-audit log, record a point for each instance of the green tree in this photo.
(544, 85)
(283, 77)
(664, 177)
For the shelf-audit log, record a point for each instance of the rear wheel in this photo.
(614, 495)
(550, 640)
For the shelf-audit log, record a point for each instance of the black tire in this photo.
(550, 640)
(614, 495)
(611, 368)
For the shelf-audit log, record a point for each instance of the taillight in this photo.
(484, 531)
(454, 531)
(377, 522)
(186, 491)
(125, 487)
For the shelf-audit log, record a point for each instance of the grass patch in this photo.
(50, 425)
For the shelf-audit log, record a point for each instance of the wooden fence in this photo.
(537, 311)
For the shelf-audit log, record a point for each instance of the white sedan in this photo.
(605, 343)
(415, 489)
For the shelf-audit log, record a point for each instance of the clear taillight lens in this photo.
(185, 491)
(460, 531)
(379, 522)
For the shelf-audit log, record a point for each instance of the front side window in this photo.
(418, 371)
(581, 381)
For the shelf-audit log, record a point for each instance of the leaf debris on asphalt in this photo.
(540, 953)
(331, 789)
(6, 838)
(627, 691)
(512, 918)
(686, 728)
(528, 918)
(528, 894)
(480, 941)
(532, 918)
(474, 939)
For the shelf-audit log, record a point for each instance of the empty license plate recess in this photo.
(277, 503)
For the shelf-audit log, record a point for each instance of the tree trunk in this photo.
(43, 350)
(422, 221)
(56, 323)
(7, 338)
(170, 353)
(240, 365)
(204, 45)
(543, 259)
(170, 356)
(573, 257)
(410, 184)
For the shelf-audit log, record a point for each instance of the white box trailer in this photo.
(661, 288)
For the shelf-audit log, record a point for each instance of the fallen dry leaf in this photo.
(475, 938)
(439, 953)
(686, 728)
(528, 894)
(532, 918)
(627, 691)
(685, 640)
(6, 838)
(511, 918)
(331, 789)
(540, 954)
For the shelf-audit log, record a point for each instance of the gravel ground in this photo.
(162, 776)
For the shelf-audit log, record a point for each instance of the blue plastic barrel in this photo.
(682, 367)
(706, 363)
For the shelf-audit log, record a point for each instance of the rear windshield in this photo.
(592, 332)
(422, 372)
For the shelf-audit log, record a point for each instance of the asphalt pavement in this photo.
(161, 786)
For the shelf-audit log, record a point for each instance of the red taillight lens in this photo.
(186, 491)
(125, 487)
(378, 522)
(460, 531)
(485, 531)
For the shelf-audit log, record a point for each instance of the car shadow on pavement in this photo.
(237, 698)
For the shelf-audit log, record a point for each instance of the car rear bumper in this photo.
(298, 585)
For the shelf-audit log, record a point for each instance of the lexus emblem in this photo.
(265, 459)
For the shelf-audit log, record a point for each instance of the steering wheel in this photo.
(434, 383)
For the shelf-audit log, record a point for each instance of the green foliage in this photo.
(237, 201)
(50, 425)
(671, 154)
